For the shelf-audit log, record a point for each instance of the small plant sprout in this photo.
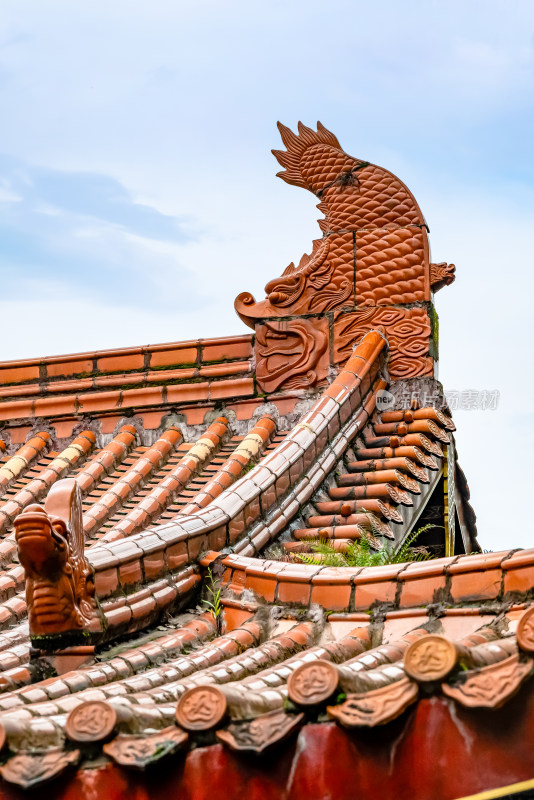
(213, 600)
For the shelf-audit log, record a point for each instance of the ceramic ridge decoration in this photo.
(525, 631)
(92, 721)
(201, 708)
(60, 590)
(366, 209)
(291, 353)
(408, 331)
(372, 261)
(258, 734)
(491, 686)
(27, 770)
(431, 658)
(375, 707)
(313, 683)
(441, 275)
(223, 652)
(138, 752)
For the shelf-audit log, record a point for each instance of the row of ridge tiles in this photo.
(253, 681)
(156, 561)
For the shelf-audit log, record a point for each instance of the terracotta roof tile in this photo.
(202, 455)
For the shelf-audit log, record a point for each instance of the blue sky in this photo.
(138, 194)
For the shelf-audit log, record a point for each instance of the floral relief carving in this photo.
(407, 331)
(377, 706)
(27, 770)
(491, 686)
(291, 353)
(256, 735)
(138, 752)
(59, 580)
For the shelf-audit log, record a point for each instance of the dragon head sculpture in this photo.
(60, 590)
(372, 259)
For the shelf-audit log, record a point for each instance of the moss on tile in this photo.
(434, 327)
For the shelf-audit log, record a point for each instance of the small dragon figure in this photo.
(60, 590)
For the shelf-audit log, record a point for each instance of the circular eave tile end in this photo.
(93, 721)
(313, 683)
(431, 658)
(525, 631)
(201, 708)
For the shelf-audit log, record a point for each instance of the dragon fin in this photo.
(296, 145)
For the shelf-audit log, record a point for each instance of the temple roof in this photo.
(161, 584)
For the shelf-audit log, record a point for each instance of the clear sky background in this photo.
(138, 194)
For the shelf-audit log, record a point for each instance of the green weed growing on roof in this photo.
(213, 600)
(361, 554)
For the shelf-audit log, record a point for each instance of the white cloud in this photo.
(85, 325)
(7, 195)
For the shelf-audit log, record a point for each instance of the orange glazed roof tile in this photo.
(165, 586)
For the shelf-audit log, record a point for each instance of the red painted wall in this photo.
(436, 751)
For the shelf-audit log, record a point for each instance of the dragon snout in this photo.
(36, 538)
(33, 520)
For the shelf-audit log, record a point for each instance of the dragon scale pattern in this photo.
(374, 254)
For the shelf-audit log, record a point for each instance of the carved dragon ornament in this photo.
(60, 590)
(373, 255)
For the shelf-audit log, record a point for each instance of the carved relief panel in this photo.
(291, 354)
(408, 333)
